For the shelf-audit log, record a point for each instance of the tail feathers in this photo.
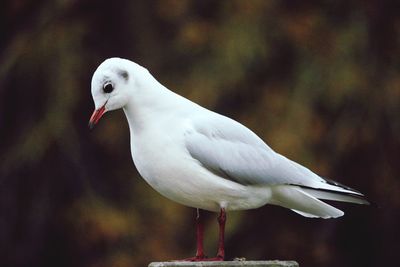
(337, 196)
(305, 214)
(296, 199)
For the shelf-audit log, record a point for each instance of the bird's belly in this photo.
(182, 179)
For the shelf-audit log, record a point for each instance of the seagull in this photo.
(204, 160)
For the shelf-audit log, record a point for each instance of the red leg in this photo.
(221, 240)
(200, 233)
(221, 246)
(200, 237)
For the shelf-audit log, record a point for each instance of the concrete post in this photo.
(239, 263)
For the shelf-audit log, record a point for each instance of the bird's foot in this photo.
(196, 258)
(218, 258)
(202, 258)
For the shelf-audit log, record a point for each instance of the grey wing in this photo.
(230, 150)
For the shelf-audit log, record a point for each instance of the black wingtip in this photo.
(332, 182)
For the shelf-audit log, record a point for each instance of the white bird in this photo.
(205, 160)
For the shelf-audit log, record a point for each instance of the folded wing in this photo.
(232, 151)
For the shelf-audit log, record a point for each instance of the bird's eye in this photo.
(108, 88)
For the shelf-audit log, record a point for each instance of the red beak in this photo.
(96, 116)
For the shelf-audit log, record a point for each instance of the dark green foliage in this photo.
(319, 81)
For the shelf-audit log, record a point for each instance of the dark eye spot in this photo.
(108, 88)
(123, 74)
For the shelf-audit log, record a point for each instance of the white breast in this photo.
(163, 161)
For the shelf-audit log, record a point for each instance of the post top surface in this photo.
(274, 263)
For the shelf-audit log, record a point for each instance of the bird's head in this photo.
(113, 83)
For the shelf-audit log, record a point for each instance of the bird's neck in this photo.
(153, 103)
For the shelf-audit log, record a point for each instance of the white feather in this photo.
(202, 159)
(294, 198)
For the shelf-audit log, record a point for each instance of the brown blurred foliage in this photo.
(317, 80)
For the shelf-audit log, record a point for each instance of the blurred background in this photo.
(319, 81)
